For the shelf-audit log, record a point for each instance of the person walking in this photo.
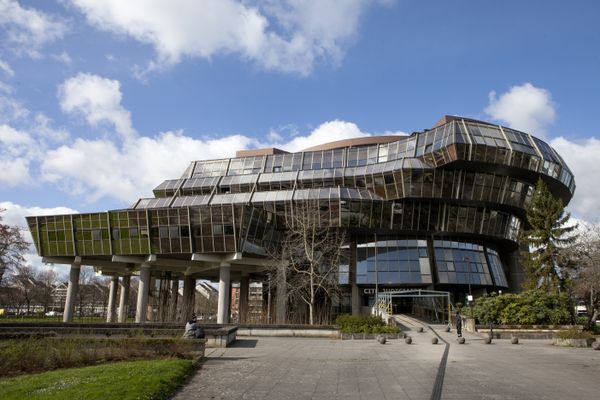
(458, 323)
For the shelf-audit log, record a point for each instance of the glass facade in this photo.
(435, 207)
(462, 263)
(397, 262)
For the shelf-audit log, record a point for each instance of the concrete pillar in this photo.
(189, 297)
(124, 299)
(355, 295)
(112, 299)
(143, 289)
(243, 301)
(224, 294)
(72, 290)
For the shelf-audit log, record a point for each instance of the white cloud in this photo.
(11, 137)
(6, 69)
(27, 30)
(327, 132)
(15, 171)
(285, 35)
(64, 58)
(98, 100)
(21, 148)
(582, 159)
(15, 213)
(42, 127)
(525, 107)
(16, 152)
(100, 168)
(11, 109)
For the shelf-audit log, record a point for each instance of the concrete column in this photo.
(143, 289)
(355, 295)
(189, 297)
(243, 301)
(112, 299)
(224, 294)
(124, 299)
(72, 290)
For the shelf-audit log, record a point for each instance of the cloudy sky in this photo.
(102, 100)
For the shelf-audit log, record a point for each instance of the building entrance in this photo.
(433, 304)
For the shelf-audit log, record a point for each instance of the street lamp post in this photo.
(468, 261)
(470, 297)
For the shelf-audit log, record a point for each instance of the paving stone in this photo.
(312, 368)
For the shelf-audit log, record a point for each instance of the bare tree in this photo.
(12, 247)
(10, 297)
(586, 281)
(23, 279)
(92, 296)
(308, 257)
(46, 280)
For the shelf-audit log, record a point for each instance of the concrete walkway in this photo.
(302, 368)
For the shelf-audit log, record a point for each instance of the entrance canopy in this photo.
(384, 300)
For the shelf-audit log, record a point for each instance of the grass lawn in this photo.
(148, 379)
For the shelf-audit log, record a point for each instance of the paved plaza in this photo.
(309, 368)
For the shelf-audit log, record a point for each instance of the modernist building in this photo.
(439, 209)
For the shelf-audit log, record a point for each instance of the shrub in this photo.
(533, 307)
(364, 324)
(574, 333)
(42, 354)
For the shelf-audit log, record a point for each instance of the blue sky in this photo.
(100, 101)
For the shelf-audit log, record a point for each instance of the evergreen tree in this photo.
(545, 261)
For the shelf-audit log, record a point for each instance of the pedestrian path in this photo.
(313, 368)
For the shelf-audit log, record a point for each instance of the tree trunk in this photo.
(281, 293)
(174, 298)
(311, 307)
(592, 319)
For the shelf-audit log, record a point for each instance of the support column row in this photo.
(189, 290)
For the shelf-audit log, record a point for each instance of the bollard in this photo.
(461, 340)
(514, 340)
(434, 340)
(596, 345)
(420, 329)
(408, 340)
(381, 339)
(488, 340)
(447, 329)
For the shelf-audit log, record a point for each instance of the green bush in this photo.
(533, 307)
(364, 324)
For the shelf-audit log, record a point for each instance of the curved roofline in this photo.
(360, 141)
